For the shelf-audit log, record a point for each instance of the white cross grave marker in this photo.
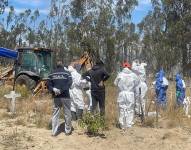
(13, 95)
(186, 107)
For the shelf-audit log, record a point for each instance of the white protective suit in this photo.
(76, 93)
(87, 88)
(126, 81)
(139, 70)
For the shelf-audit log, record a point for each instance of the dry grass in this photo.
(172, 116)
(37, 111)
(150, 122)
(169, 118)
(3, 101)
(13, 138)
(29, 110)
(25, 93)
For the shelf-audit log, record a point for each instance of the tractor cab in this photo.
(35, 61)
(31, 68)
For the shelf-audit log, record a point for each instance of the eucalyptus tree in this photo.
(34, 18)
(10, 16)
(3, 5)
(125, 28)
(166, 30)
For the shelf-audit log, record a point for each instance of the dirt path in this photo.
(137, 138)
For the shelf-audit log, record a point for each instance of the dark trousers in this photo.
(98, 97)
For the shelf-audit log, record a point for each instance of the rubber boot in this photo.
(79, 113)
(74, 116)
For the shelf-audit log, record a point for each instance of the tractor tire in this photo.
(26, 81)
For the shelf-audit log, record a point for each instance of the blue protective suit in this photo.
(180, 89)
(161, 87)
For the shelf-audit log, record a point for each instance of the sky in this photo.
(22, 5)
(141, 11)
(43, 5)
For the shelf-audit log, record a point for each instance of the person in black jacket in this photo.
(59, 82)
(97, 75)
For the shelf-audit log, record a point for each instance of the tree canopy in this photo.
(162, 38)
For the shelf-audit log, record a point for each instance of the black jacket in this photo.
(96, 75)
(60, 79)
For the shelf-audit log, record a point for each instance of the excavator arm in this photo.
(86, 61)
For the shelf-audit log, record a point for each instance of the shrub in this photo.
(92, 123)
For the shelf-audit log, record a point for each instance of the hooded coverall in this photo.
(180, 90)
(127, 82)
(141, 90)
(77, 104)
(161, 87)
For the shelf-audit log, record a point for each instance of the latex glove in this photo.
(56, 91)
(154, 83)
(101, 83)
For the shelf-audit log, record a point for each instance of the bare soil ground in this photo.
(18, 137)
